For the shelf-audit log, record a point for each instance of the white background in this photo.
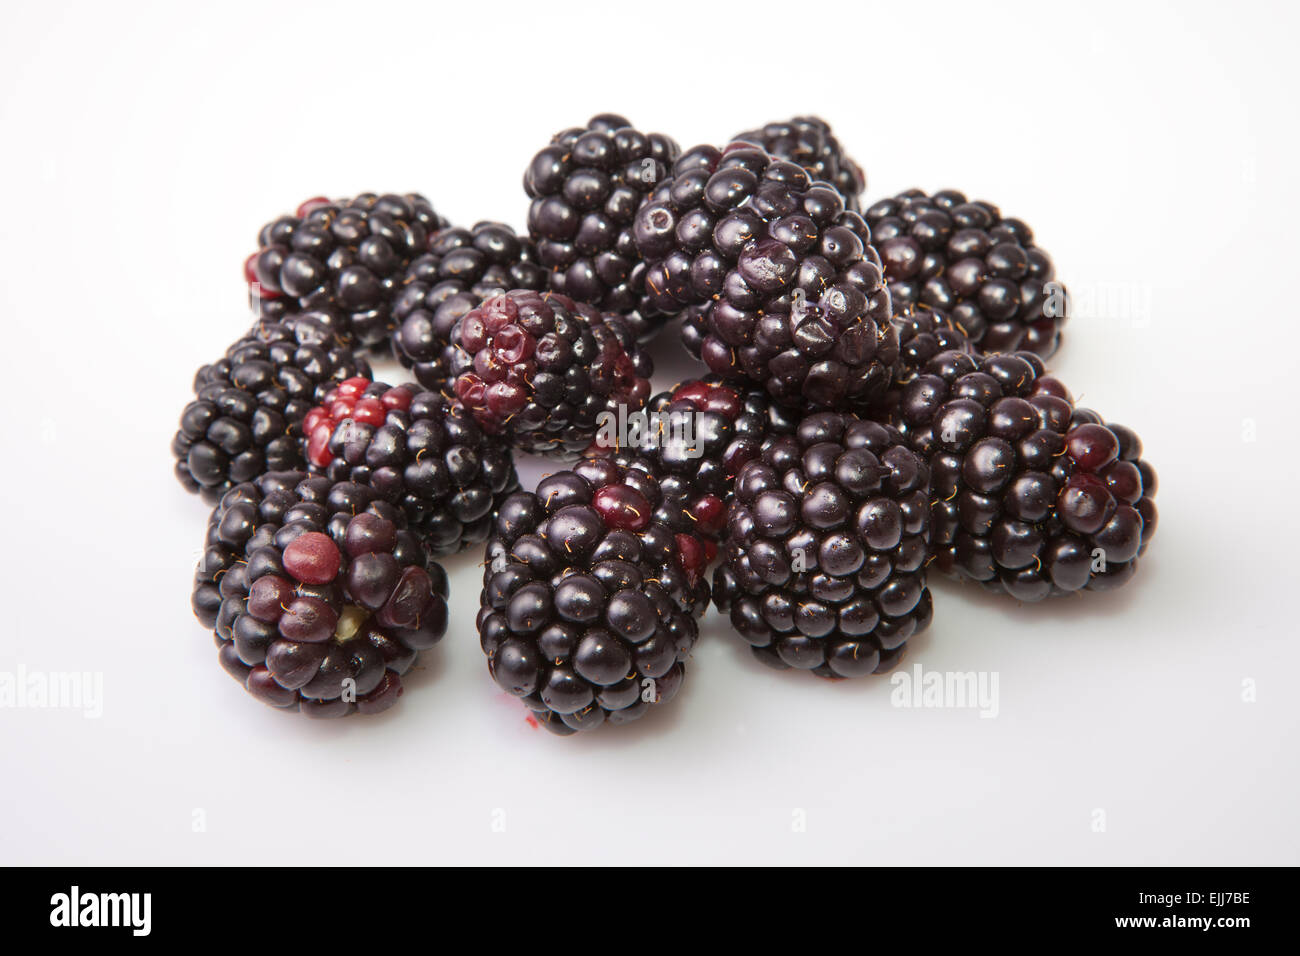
(1150, 146)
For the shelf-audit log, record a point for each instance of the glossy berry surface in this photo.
(341, 258)
(1032, 495)
(541, 369)
(586, 187)
(808, 141)
(319, 597)
(248, 409)
(982, 270)
(589, 599)
(826, 548)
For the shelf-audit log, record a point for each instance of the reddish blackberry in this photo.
(418, 450)
(460, 270)
(965, 259)
(796, 299)
(586, 187)
(826, 548)
(808, 141)
(344, 258)
(696, 437)
(246, 417)
(319, 598)
(1031, 495)
(587, 611)
(540, 369)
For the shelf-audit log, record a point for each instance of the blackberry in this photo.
(965, 259)
(344, 258)
(461, 268)
(418, 450)
(794, 295)
(246, 417)
(540, 370)
(827, 546)
(1031, 495)
(586, 187)
(808, 141)
(587, 611)
(319, 598)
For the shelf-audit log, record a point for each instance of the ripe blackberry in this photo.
(461, 268)
(587, 610)
(808, 141)
(826, 548)
(539, 369)
(246, 417)
(344, 258)
(965, 259)
(419, 451)
(586, 187)
(1031, 495)
(795, 297)
(319, 598)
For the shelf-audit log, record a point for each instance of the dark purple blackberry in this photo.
(540, 370)
(246, 417)
(344, 258)
(965, 259)
(587, 612)
(1031, 495)
(808, 141)
(586, 187)
(827, 546)
(319, 597)
(796, 300)
(419, 450)
(461, 269)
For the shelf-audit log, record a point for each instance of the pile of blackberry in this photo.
(418, 450)
(319, 598)
(868, 402)
(827, 546)
(344, 259)
(586, 187)
(245, 419)
(982, 270)
(793, 293)
(541, 370)
(587, 612)
(461, 269)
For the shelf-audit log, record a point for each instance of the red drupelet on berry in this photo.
(540, 369)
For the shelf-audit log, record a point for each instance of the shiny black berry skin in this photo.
(461, 269)
(808, 141)
(1032, 496)
(540, 370)
(965, 259)
(586, 187)
(246, 416)
(346, 258)
(318, 595)
(827, 546)
(429, 457)
(792, 293)
(587, 613)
